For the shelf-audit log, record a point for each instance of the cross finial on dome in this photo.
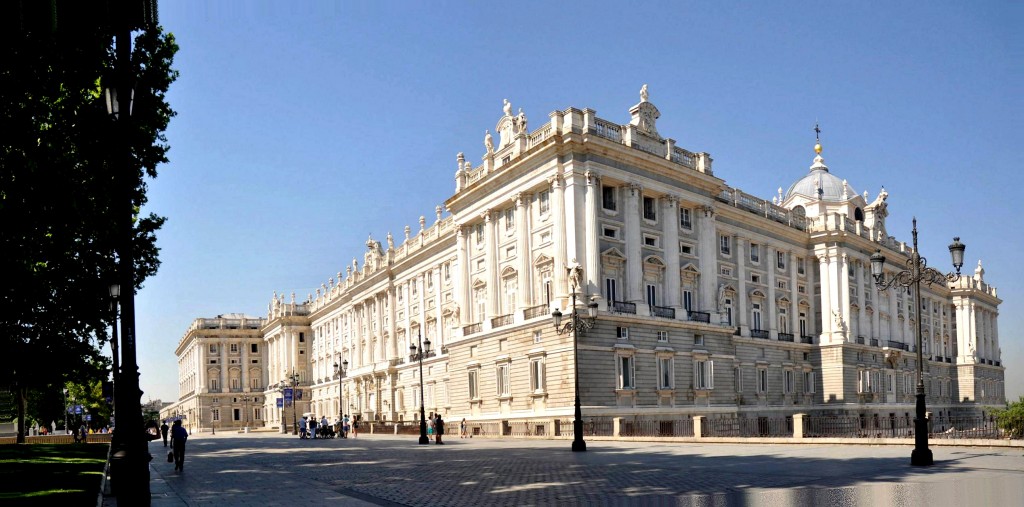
(817, 138)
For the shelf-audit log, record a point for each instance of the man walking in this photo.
(163, 429)
(312, 426)
(438, 429)
(302, 427)
(178, 438)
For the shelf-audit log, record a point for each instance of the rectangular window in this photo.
(544, 200)
(757, 316)
(754, 278)
(780, 260)
(213, 348)
(608, 197)
(688, 300)
(622, 332)
(684, 218)
(783, 320)
(685, 249)
(725, 245)
(651, 241)
(610, 232)
(236, 383)
(255, 383)
(800, 265)
(663, 336)
(510, 219)
(609, 289)
(215, 413)
(234, 348)
(755, 253)
(650, 212)
(302, 337)
(626, 372)
(762, 380)
(808, 381)
(725, 271)
(537, 382)
(698, 339)
(703, 375)
(236, 414)
(479, 230)
(665, 373)
(787, 384)
(782, 284)
(254, 348)
(214, 384)
(502, 379)
(537, 336)
(257, 413)
(652, 295)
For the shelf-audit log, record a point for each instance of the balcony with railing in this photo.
(502, 320)
(759, 333)
(785, 337)
(623, 307)
(704, 317)
(472, 329)
(874, 342)
(534, 312)
(805, 338)
(860, 340)
(663, 311)
(897, 345)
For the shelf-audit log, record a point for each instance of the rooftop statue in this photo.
(643, 93)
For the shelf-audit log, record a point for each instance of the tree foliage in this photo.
(1011, 419)
(61, 159)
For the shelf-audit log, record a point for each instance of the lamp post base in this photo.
(922, 455)
(579, 446)
(921, 458)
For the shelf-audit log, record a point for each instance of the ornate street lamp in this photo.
(293, 380)
(115, 293)
(339, 369)
(245, 406)
(423, 415)
(576, 325)
(918, 271)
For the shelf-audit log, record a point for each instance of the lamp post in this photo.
(339, 369)
(115, 293)
(576, 325)
(293, 380)
(245, 406)
(918, 271)
(65, 410)
(423, 414)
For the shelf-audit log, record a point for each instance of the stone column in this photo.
(392, 324)
(794, 299)
(523, 291)
(634, 255)
(461, 290)
(707, 238)
(203, 362)
(771, 310)
(493, 280)
(244, 379)
(743, 307)
(591, 245)
(670, 232)
(827, 305)
(224, 366)
(558, 214)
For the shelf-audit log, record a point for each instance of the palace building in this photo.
(709, 300)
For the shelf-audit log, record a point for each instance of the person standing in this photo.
(178, 438)
(355, 426)
(438, 429)
(430, 424)
(324, 426)
(312, 426)
(462, 428)
(302, 427)
(344, 426)
(163, 429)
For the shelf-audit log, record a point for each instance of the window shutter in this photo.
(711, 374)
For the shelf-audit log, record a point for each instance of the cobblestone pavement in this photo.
(269, 469)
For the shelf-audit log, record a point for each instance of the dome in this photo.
(832, 188)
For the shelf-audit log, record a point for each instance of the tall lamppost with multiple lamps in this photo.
(293, 380)
(576, 325)
(423, 413)
(918, 271)
(245, 407)
(339, 369)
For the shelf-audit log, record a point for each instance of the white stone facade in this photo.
(710, 300)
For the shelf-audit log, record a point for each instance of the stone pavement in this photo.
(269, 469)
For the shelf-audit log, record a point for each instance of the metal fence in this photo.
(859, 426)
(748, 427)
(657, 428)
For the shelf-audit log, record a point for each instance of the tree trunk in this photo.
(21, 393)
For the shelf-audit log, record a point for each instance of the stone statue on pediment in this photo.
(507, 108)
(391, 241)
(643, 93)
(520, 122)
(488, 141)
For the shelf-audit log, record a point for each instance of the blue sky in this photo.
(302, 128)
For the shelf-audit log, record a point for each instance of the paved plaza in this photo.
(267, 469)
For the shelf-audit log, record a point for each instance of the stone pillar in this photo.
(558, 214)
(591, 245)
(244, 378)
(698, 426)
(670, 233)
(742, 310)
(224, 366)
(794, 299)
(707, 255)
(493, 281)
(773, 319)
(634, 259)
(463, 296)
(523, 276)
(798, 425)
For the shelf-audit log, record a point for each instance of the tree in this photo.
(57, 210)
(1011, 419)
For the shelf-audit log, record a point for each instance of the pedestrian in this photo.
(312, 426)
(302, 427)
(324, 426)
(462, 428)
(178, 438)
(355, 426)
(438, 430)
(430, 424)
(85, 433)
(163, 429)
(345, 426)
